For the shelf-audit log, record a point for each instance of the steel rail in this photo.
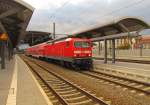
(94, 98)
(61, 99)
(95, 75)
(123, 78)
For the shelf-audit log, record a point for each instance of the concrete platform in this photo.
(140, 72)
(19, 87)
(5, 81)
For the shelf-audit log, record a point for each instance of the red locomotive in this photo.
(74, 52)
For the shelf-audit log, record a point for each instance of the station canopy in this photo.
(122, 25)
(14, 18)
(35, 37)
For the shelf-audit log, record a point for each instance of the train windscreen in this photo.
(79, 44)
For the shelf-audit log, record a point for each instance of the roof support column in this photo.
(10, 50)
(105, 51)
(2, 45)
(2, 55)
(99, 48)
(113, 51)
(32, 39)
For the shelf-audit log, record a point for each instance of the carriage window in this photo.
(82, 44)
(67, 44)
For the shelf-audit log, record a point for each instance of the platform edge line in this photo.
(36, 82)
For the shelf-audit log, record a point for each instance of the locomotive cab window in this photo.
(81, 44)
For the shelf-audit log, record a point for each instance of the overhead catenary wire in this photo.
(120, 9)
(107, 14)
(58, 9)
(124, 7)
(104, 15)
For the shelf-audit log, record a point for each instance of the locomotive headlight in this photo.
(76, 55)
(77, 52)
(89, 55)
(87, 51)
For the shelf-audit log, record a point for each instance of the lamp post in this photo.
(141, 45)
(54, 30)
(3, 40)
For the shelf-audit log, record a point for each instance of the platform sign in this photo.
(4, 37)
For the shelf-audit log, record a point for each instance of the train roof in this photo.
(59, 40)
(67, 39)
(41, 44)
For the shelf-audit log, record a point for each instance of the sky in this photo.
(72, 16)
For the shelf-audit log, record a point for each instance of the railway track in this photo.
(59, 90)
(124, 82)
(126, 60)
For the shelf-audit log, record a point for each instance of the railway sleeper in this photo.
(82, 102)
(126, 82)
(63, 89)
(60, 82)
(63, 86)
(133, 84)
(52, 97)
(67, 92)
(53, 80)
(147, 89)
(139, 86)
(46, 90)
(55, 84)
(76, 99)
(43, 85)
(55, 102)
(72, 95)
(85, 102)
(119, 80)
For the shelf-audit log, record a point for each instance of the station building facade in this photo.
(128, 43)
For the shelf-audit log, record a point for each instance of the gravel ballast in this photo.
(116, 94)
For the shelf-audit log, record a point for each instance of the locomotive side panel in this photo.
(68, 49)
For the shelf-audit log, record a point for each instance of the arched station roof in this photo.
(121, 25)
(14, 18)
